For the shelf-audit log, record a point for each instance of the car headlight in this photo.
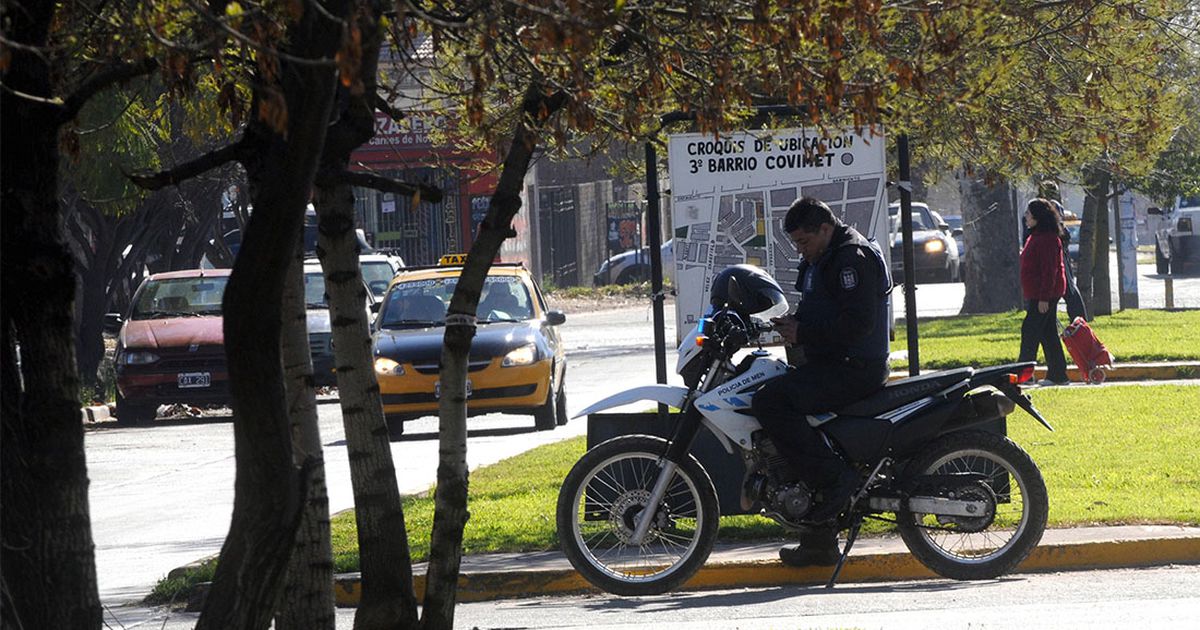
(387, 367)
(524, 355)
(136, 357)
(934, 246)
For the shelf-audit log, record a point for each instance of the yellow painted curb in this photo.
(1116, 554)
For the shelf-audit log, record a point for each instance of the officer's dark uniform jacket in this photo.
(843, 310)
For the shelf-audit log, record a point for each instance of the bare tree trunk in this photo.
(1092, 278)
(450, 499)
(269, 491)
(991, 237)
(388, 600)
(307, 602)
(47, 562)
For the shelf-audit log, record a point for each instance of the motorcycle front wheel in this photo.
(602, 500)
(979, 548)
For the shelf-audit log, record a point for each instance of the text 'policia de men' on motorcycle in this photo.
(797, 153)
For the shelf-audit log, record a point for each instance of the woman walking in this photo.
(1043, 283)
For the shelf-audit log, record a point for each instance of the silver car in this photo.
(634, 266)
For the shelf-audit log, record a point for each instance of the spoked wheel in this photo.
(992, 544)
(602, 500)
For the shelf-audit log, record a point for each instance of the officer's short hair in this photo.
(808, 214)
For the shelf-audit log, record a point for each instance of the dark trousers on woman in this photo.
(1042, 329)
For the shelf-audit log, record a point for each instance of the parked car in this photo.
(378, 270)
(634, 266)
(171, 345)
(517, 362)
(935, 252)
(1177, 239)
(956, 231)
(320, 330)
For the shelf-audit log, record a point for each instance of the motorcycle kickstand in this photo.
(851, 536)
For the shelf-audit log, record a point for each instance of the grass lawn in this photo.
(1143, 438)
(1132, 336)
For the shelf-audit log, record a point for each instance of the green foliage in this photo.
(977, 340)
(116, 133)
(174, 590)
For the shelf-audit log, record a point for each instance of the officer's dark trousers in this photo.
(815, 387)
(1042, 329)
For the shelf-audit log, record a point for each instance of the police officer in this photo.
(841, 324)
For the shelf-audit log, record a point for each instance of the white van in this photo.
(1177, 239)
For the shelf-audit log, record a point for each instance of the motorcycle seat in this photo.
(903, 391)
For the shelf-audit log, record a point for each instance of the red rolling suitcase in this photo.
(1088, 352)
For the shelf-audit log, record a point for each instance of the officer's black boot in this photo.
(818, 548)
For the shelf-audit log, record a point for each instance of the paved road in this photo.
(1163, 597)
(162, 495)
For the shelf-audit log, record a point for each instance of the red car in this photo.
(171, 347)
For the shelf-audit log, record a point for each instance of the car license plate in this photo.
(190, 380)
(437, 389)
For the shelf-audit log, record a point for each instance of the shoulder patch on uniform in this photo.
(849, 278)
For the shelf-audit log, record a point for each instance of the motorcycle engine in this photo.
(774, 484)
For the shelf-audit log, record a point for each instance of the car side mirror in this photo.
(375, 307)
(555, 318)
(945, 227)
(1155, 211)
(112, 322)
(956, 232)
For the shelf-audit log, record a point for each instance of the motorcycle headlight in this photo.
(136, 357)
(934, 246)
(387, 367)
(525, 355)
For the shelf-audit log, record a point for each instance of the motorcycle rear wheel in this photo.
(600, 502)
(1015, 528)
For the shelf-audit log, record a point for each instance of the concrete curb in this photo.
(877, 566)
(95, 413)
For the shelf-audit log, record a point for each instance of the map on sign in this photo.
(730, 195)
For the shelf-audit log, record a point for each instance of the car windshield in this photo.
(377, 274)
(423, 302)
(918, 218)
(314, 290)
(1189, 202)
(180, 297)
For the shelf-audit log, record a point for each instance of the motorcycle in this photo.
(638, 514)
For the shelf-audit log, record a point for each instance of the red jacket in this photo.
(1042, 275)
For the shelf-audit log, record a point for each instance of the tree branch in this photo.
(382, 105)
(102, 80)
(432, 194)
(188, 170)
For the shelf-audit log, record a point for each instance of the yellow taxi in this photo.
(516, 364)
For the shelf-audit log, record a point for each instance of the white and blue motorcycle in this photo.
(638, 514)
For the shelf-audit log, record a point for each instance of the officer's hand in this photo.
(786, 327)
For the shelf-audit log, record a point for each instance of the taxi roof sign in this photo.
(452, 259)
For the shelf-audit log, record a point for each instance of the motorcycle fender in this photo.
(671, 395)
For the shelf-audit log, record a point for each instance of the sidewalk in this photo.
(506, 575)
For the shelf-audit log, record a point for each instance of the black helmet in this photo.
(748, 290)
